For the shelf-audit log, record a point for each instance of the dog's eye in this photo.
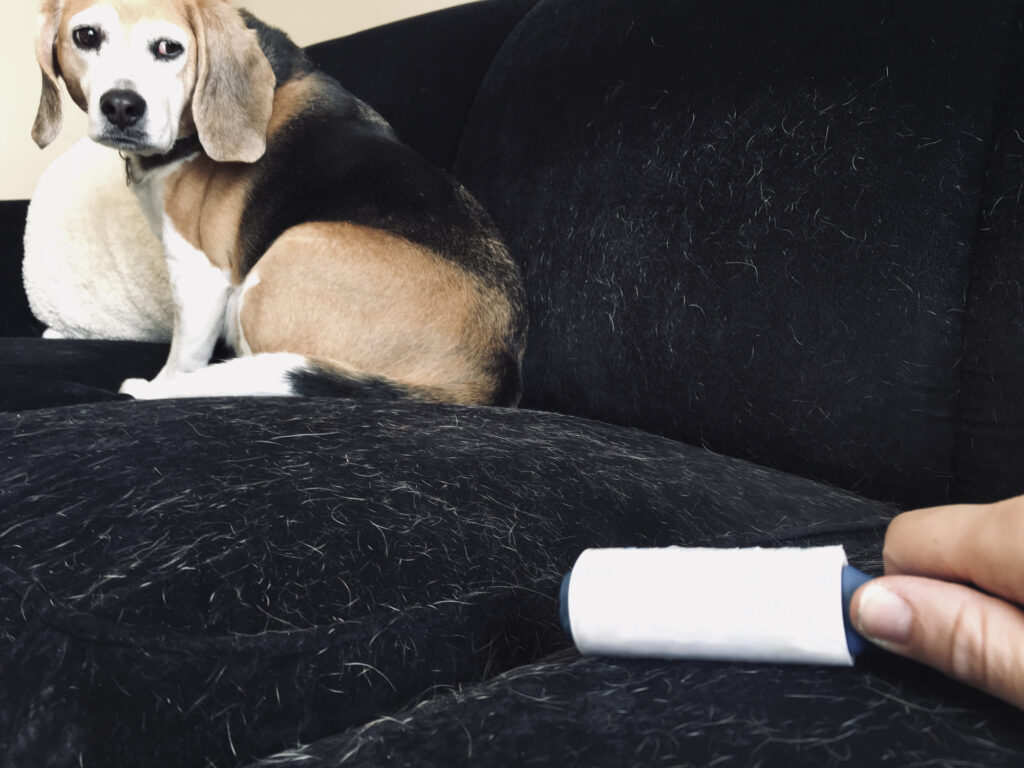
(87, 38)
(167, 49)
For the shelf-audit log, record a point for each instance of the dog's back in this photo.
(332, 160)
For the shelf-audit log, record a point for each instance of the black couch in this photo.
(774, 255)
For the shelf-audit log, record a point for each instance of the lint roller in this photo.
(783, 604)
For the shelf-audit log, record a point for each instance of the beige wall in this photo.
(21, 161)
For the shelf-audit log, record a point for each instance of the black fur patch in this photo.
(333, 164)
(320, 381)
(182, 148)
(509, 377)
(286, 59)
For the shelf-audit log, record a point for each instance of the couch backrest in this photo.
(754, 226)
(989, 455)
(423, 73)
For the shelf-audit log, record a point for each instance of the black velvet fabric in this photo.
(572, 711)
(788, 232)
(423, 74)
(40, 373)
(749, 225)
(990, 444)
(16, 318)
(203, 583)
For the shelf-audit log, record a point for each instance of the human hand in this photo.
(924, 609)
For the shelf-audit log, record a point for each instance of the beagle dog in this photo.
(328, 255)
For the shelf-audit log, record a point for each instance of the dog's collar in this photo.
(137, 166)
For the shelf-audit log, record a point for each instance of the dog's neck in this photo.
(137, 166)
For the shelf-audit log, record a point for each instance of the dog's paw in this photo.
(140, 389)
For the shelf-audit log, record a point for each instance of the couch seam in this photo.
(483, 79)
(999, 107)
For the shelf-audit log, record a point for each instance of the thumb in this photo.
(968, 635)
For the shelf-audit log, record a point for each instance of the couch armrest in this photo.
(15, 317)
(423, 73)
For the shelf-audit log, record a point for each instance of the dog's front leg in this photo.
(200, 292)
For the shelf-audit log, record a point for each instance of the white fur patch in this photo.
(200, 291)
(125, 61)
(234, 334)
(263, 375)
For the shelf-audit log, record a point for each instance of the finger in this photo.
(970, 636)
(922, 542)
(978, 544)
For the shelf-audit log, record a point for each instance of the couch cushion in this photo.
(748, 225)
(41, 373)
(572, 711)
(205, 582)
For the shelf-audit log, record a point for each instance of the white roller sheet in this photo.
(776, 605)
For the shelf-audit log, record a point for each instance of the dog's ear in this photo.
(234, 92)
(50, 116)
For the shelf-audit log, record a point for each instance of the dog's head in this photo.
(148, 72)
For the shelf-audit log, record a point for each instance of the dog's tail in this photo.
(318, 378)
(272, 374)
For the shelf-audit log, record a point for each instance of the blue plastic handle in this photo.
(563, 606)
(852, 579)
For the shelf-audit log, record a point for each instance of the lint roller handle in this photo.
(852, 581)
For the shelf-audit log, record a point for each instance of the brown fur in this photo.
(205, 199)
(373, 303)
(290, 100)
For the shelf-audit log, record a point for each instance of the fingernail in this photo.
(883, 616)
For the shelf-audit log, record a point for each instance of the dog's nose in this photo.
(123, 108)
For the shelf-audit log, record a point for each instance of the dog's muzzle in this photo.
(122, 108)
